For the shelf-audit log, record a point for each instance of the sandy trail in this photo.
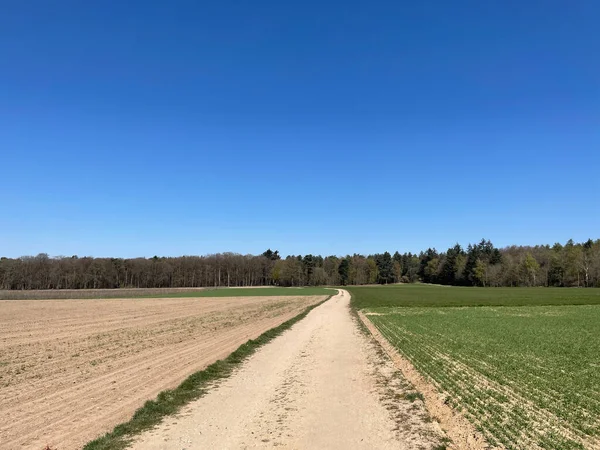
(71, 370)
(322, 384)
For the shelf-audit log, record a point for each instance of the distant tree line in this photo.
(482, 264)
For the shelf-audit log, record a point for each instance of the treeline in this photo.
(482, 264)
(569, 265)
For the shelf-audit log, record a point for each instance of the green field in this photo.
(432, 295)
(79, 294)
(526, 376)
(251, 292)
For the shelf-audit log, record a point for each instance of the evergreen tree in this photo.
(449, 267)
(308, 263)
(424, 266)
(272, 255)
(385, 268)
(343, 271)
(472, 258)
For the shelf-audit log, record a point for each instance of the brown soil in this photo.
(70, 370)
(463, 434)
(322, 384)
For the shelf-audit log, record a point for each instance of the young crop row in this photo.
(527, 377)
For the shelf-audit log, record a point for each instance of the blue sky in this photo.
(142, 128)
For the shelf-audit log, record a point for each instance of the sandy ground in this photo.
(323, 384)
(70, 370)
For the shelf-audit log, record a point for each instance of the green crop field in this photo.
(252, 292)
(432, 295)
(64, 294)
(526, 376)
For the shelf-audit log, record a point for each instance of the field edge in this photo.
(460, 431)
(170, 402)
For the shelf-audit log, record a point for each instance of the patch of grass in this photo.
(433, 295)
(170, 402)
(412, 396)
(251, 292)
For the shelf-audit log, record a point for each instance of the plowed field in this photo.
(72, 369)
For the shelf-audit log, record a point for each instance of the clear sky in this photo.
(142, 127)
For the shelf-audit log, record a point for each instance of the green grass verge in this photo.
(250, 292)
(432, 295)
(170, 402)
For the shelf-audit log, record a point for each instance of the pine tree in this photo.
(343, 271)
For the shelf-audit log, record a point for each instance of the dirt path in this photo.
(71, 370)
(322, 384)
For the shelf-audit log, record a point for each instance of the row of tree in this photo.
(572, 264)
(482, 264)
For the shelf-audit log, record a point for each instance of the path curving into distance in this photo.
(321, 384)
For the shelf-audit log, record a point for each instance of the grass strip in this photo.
(196, 385)
(250, 292)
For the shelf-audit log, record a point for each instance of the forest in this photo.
(481, 264)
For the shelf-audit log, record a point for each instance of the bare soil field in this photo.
(70, 370)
